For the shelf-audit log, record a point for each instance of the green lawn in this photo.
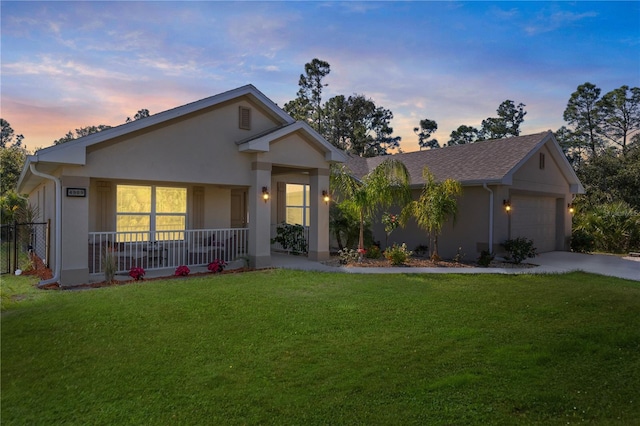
(288, 347)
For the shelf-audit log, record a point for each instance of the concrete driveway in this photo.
(603, 264)
(552, 262)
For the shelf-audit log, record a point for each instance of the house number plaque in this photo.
(76, 192)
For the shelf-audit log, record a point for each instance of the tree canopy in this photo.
(424, 132)
(354, 123)
(506, 124)
(12, 158)
(8, 136)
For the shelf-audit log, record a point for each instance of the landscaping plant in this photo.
(182, 271)
(291, 237)
(385, 185)
(109, 262)
(437, 204)
(519, 249)
(137, 273)
(373, 252)
(217, 266)
(397, 254)
(348, 255)
(485, 258)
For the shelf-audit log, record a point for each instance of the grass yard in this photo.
(289, 347)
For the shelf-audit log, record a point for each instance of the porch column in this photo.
(318, 215)
(260, 215)
(75, 231)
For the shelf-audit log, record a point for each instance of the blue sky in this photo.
(66, 65)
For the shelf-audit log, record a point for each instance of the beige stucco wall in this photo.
(189, 149)
(471, 230)
(549, 180)
(469, 233)
(294, 150)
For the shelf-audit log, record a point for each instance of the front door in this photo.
(238, 208)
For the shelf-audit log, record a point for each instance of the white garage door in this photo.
(534, 218)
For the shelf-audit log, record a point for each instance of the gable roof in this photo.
(64, 153)
(491, 162)
(75, 152)
(261, 142)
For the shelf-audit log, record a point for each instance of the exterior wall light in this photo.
(572, 209)
(265, 194)
(325, 197)
(507, 205)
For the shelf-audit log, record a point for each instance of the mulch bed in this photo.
(425, 262)
(102, 284)
(412, 262)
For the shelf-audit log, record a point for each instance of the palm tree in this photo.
(385, 185)
(436, 205)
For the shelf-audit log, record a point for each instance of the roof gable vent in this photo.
(244, 118)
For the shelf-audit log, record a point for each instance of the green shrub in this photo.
(291, 237)
(615, 227)
(397, 254)
(485, 258)
(421, 250)
(519, 249)
(582, 241)
(348, 256)
(373, 252)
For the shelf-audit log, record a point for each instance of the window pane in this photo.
(295, 195)
(166, 227)
(294, 215)
(133, 199)
(171, 200)
(170, 223)
(133, 223)
(306, 216)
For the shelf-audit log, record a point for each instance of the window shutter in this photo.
(104, 212)
(198, 207)
(245, 118)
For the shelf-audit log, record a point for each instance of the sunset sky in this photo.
(66, 65)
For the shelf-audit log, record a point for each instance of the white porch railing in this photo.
(168, 249)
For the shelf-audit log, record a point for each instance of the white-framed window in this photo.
(297, 204)
(159, 211)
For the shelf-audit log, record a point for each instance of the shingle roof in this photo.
(480, 162)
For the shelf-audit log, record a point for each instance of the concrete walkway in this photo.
(548, 263)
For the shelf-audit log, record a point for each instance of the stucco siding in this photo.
(217, 210)
(294, 150)
(531, 177)
(185, 150)
(470, 232)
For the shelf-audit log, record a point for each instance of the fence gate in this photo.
(18, 241)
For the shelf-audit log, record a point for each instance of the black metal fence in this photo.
(19, 241)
